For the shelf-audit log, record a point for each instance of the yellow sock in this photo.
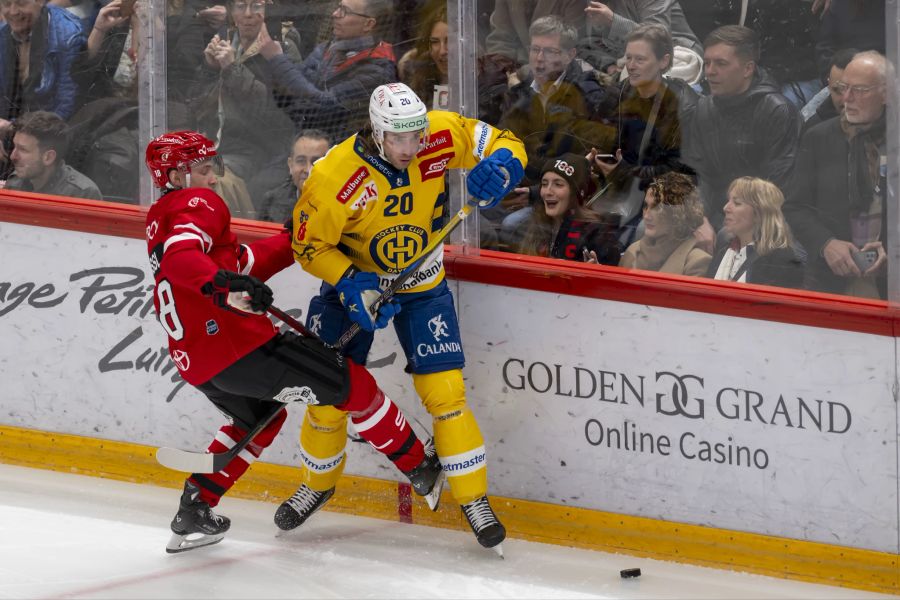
(457, 437)
(323, 437)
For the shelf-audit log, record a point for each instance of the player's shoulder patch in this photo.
(353, 183)
(437, 141)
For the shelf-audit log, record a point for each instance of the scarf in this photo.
(653, 253)
(866, 142)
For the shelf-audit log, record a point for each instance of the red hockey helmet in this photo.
(176, 150)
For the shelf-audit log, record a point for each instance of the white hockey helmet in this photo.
(395, 107)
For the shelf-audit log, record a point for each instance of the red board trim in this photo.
(524, 272)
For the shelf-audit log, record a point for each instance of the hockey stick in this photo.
(209, 462)
(411, 270)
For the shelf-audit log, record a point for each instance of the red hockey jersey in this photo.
(189, 238)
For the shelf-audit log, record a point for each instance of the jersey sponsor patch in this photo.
(352, 184)
(369, 194)
(301, 394)
(436, 142)
(427, 273)
(481, 136)
(462, 464)
(320, 465)
(434, 167)
(394, 248)
(212, 328)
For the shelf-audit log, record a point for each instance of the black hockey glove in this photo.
(239, 293)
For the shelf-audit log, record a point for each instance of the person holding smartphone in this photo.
(648, 129)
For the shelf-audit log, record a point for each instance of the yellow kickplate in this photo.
(548, 523)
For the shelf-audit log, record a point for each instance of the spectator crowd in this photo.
(735, 140)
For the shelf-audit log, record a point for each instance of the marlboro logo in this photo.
(352, 185)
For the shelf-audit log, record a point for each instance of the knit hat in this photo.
(575, 169)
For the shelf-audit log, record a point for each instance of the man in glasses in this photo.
(836, 201)
(330, 89)
(550, 110)
(832, 104)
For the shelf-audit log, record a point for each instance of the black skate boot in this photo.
(195, 524)
(294, 511)
(484, 523)
(428, 478)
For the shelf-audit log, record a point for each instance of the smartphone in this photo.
(864, 260)
(127, 8)
(607, 158)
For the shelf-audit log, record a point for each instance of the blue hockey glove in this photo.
(494, 177)
(357, 291)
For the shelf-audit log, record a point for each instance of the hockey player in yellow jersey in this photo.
(367, 210)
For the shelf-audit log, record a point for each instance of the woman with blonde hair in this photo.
(762, 249)
(672, 211)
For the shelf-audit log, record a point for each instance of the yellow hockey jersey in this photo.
(356, 208)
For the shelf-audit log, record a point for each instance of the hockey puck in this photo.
(629, 573)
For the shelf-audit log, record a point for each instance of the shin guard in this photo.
(214, 486)
(457, 437)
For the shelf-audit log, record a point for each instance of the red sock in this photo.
(214, 486)
(380, 422)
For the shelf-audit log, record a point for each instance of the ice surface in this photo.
(70, 536)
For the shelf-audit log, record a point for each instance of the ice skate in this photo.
(428, 478)
(294, 511)
(195, 524)
(484, 523)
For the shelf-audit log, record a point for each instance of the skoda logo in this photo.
(394, 248)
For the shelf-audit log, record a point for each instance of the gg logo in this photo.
(394, 248)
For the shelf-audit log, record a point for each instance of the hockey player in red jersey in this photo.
(211, 299)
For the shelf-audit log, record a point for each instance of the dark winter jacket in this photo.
(817, 203)
(663, 149)
(753, 134)
(780, 267)
(56, 40)
(564, 124)
(330, 90)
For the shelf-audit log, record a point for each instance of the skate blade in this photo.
(433, 498)
(182, 543)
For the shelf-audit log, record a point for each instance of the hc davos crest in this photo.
(394, 248)
(303, 395)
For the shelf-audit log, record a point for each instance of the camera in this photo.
(864, 260)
